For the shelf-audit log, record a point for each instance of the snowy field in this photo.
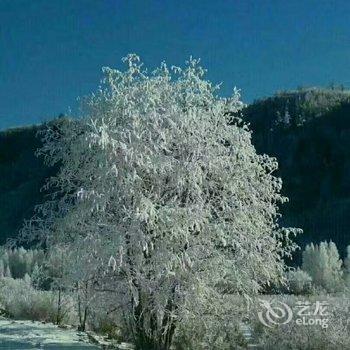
(35, 335)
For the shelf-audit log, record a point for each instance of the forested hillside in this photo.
(22, 175)
(307, 130)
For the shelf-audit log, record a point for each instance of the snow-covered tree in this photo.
(160, 173)
(323, 264)
(20, 261)
(7, 272)
(2, 269)
(347, 267)
(37, 276)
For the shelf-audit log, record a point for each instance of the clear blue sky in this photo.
(51, 51)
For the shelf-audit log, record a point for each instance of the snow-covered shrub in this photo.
(102, 320)
(162, 179)
(212, 332)
(21, 301)
(299, 282)
(293, 336)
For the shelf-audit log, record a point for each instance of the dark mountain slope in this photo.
(22, 175)
(309, 132)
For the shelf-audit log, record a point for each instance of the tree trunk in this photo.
(83, 319)
(59, 307)
(79, 309)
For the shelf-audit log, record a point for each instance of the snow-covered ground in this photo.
(35, 335)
